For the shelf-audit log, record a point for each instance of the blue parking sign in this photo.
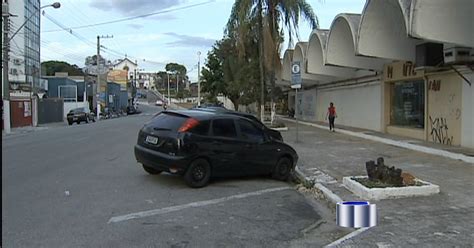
(295, 75)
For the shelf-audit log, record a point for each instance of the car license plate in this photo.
(151, 140)
(74, 118)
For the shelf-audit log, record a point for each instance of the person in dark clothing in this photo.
(332, 116)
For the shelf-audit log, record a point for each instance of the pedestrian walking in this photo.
(332, 116)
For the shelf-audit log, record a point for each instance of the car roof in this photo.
(207, 115)
(218, 110)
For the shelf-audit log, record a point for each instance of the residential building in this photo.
(146, 79)
(24, 59)
(127, 65)
(71, 89)
(24, 64)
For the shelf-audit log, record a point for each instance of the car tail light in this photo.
(188, 124)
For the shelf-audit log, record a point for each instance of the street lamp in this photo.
(55, 5)
(199, 79)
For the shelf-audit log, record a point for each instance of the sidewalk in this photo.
(29, 129)
(443, 220)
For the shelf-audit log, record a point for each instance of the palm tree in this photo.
(272, 16)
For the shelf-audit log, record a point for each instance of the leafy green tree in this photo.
(179, 74)
(49, 68)
(230, 74)
(175, 68)
(272, 18)
(162, 80)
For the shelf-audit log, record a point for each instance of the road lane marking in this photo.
(347, 237)
(191, 205)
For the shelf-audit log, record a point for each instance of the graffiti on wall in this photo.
(439, 131)
(309, 105)
(434, 85)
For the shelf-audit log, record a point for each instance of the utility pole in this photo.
(169, 99)
(177, 83)
(199, 79)
(98, 74)
(134, 81)
(5, 81)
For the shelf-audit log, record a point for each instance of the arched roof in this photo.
(383, 31)
(443, 21)
(316, 54)
(342, 41)
(286, 69)
(299, 54)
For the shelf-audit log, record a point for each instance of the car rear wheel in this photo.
(70, 123)
(151, 171)
(198, 173)
(282, 169)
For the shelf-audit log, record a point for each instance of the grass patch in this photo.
(379, 184)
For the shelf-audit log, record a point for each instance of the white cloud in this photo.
(136, 7)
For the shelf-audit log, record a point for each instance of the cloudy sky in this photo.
(176, 34)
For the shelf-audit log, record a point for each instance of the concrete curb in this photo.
(328, 194)
(402, 144)
(389, 192)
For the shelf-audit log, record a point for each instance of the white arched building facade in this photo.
(396, 68)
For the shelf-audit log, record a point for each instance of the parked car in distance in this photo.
(159, 103)
(79, 115)
(201, 144)
(275, 134)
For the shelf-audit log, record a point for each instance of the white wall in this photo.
(226, 101)
(356, 106)
(467, 125)
(72, 105)
(306, 104)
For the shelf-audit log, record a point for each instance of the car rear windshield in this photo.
(78, 110)
(168, 121)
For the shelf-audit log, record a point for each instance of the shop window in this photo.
(408, 104)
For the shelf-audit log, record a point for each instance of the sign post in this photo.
(296, 84)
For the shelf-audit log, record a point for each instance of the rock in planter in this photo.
(383, 173)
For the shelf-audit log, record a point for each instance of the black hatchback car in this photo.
(200, 145)
(79, 115)
(273, 134)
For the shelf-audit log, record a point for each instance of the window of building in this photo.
(68, 93)
(408, 104)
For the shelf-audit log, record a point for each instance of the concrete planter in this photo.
(389, 193)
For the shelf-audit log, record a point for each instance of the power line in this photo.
(82, 17)
(107, 50)
(133, 17)
(86, 41)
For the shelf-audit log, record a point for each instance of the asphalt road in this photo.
(76, 186)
